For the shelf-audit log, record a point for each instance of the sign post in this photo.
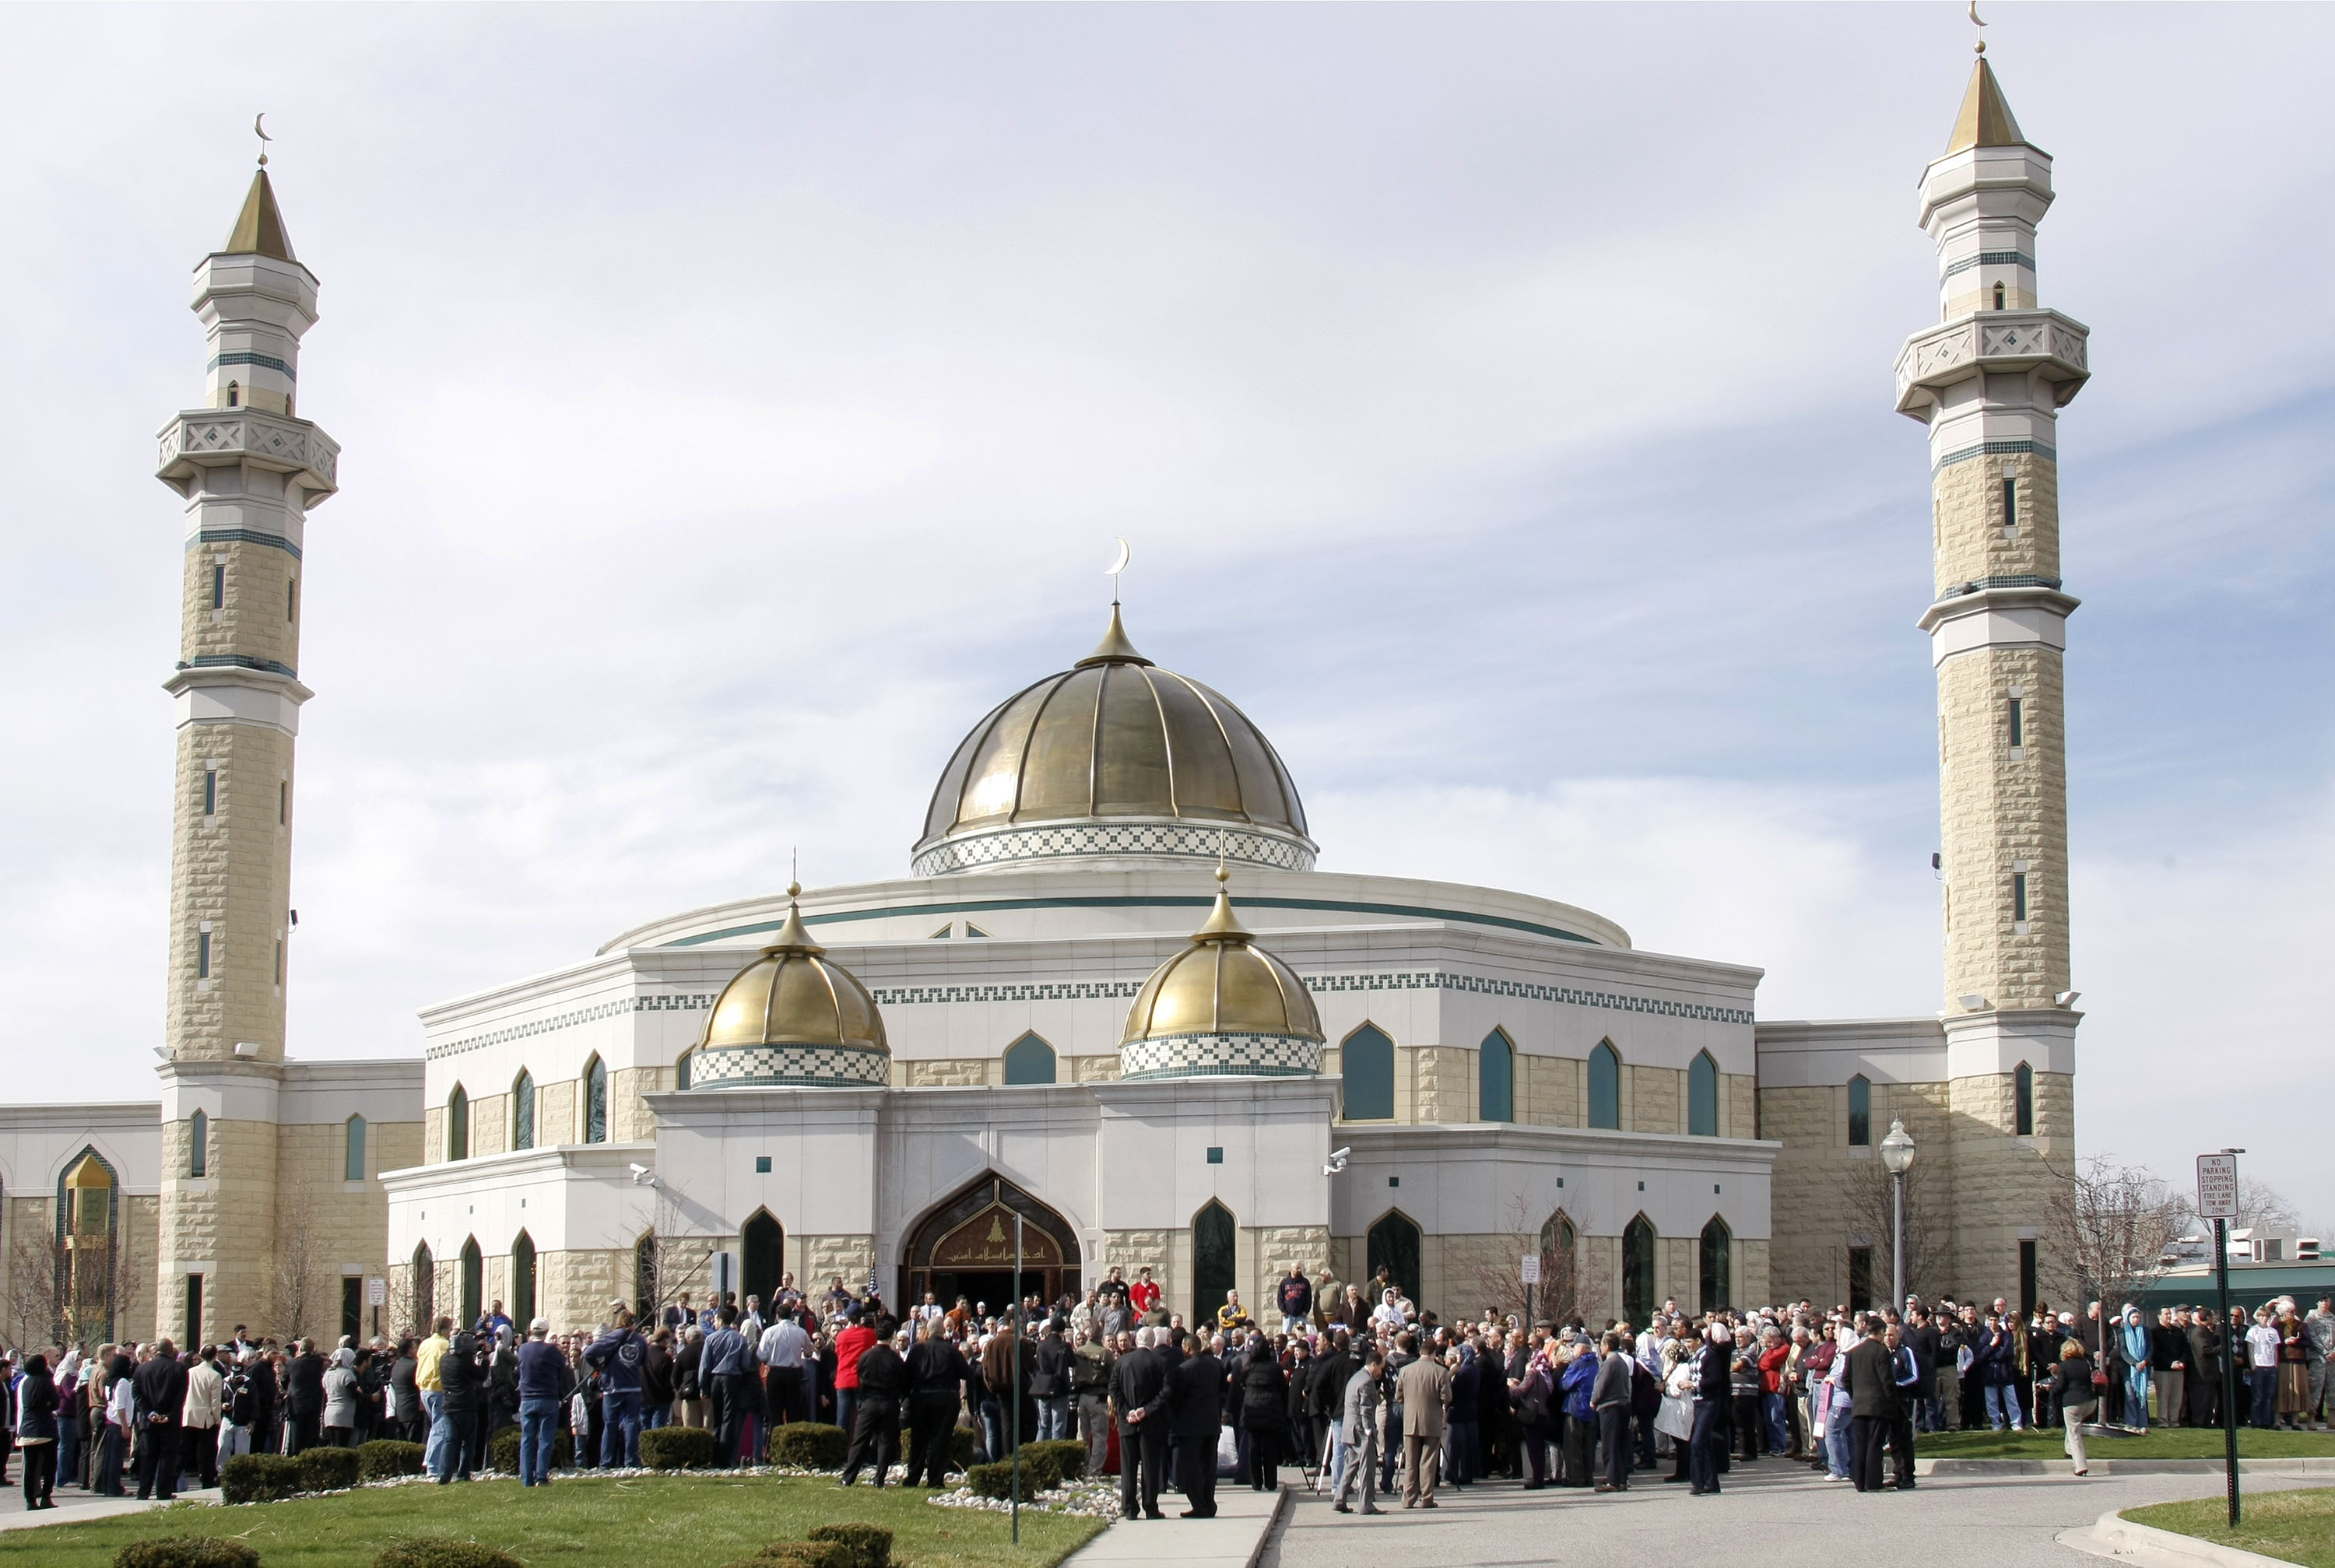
(1530, 1272)
(377, 1297)
(2217, 1200)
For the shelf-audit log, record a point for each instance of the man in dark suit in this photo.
(160, 1387)
(1139, 1398)
(1870, 1379)
(1195, 1406)
(304, 1387)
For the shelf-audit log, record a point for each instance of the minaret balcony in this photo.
(2044, 343)
(201, 438)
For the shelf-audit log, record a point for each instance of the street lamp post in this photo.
(1897, 1153)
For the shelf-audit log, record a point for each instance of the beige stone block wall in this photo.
(1441, 1080)
(575, 1288)
(231, 868)
(1752, 1286)
(558, 1112)
(1551, 1091)
(1996, 812)
(1097, 1069)
(252, 621)
(229, 1220)
(1738, 1105)
(820, 1257)
(939, 1072)
(1654, 1098)
(1968, 519)
(491, 1124)
(630, 1120)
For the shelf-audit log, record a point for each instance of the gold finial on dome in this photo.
(1114, 648)
(1222, 924)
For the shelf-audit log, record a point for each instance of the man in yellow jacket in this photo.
(426, 1357)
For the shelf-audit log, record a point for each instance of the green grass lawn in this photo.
(677, 1522)
(2158, 1443)
(2299, 1527)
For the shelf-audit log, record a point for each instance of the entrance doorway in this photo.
(964, 1247)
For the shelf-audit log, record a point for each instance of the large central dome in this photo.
(1113, 756)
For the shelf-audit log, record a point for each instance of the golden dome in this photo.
(1224, 1005)
(1114, 756)
(791, 1017)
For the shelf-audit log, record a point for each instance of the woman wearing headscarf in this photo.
(2294, 1399)
(37, 1431)
(342, 1389)
(2133, 1333)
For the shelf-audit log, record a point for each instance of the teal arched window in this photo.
(1495, 1078)
(595, 1102)
(1702, 1096)
(353, 1149)
(1605, 1088)
(1638, 1271)
(1030, 1060)
(522, 1285)
(1718, 1260)
(523, 1112)
(1366, 1061)
(1860, 1112)
(2022, 1107)
(198, 1145)
(457, 1124)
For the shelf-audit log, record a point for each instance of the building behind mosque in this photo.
(1114, 1008)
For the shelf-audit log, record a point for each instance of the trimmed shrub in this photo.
(962, 1442)
(443, 1552)
(502, 1450)
(803, 1554)
(329, 1469)
(1067, 1455)
(679, 1448)
(258, 1478)
(386, 1459)
(808, 1445)
(188, 1551)
(870, 1545)
(993, 1480)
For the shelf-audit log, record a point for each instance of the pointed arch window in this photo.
(1030, 1060)
(681, 1069)
(1606, 1086)
(761, 1247)
(474, 1280)
(234, 395)
(198, 1145)
(1495, 1078)
(1702, 1096)
(2023, 1101)
(1860, 1112)
(1366, 1062)
(353, 1149)
(1638, 1271)
(595, 1101)
(457, 1124)
(424, 1288)
(1998, 297)
(523, 1111)
(1392, 1245)
(522, 1286)
(1215, 1245)
(1718, 1264)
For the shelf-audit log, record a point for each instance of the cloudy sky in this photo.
(737, 402)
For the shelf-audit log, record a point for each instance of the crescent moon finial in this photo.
(260, 130)
(1977, 21)
(1118, 565)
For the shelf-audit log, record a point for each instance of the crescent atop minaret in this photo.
(1974, 16)
(258, 130)
(1118, 564)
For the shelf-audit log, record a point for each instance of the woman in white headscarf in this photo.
(341, 1389)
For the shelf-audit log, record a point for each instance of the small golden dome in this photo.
(793, 1017)
(1221, 991)
(1113, 755)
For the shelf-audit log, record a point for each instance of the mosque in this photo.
(1113, 1009)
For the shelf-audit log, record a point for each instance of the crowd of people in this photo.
(1364, 1392)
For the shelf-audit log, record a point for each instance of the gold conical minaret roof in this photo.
(1985, 120)
(259, 226)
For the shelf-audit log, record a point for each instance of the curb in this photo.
(2101, 1466)
(1273, 1521)
(2113, 1536)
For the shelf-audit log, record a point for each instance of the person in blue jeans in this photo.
(2137, 1344)
(544, 1383)
(617, 1356)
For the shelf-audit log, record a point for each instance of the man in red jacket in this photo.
(849, 1345)
(1144, 1294)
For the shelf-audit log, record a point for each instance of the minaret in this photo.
(249, 469)
(1989, 381)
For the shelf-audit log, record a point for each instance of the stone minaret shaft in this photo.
(1989, 381)
(249, 469)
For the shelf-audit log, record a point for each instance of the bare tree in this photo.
(2113, 1226)
(1499, 1280)
(33, 1299)
(2262, 1207)
(1869, 1204)
(298, 1290)
(667, 1260)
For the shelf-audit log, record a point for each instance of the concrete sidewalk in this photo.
(75, 1506)
(1235, 1538)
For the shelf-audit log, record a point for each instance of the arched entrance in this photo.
(964, 1247)
(763, 1258)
